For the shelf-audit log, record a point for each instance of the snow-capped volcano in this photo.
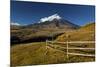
(54, 22)
(50, 18)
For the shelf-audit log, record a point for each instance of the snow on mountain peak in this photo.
(50, 18)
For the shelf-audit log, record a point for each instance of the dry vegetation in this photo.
(36, 53)
(85, 33)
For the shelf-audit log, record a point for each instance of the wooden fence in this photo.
(50, 43)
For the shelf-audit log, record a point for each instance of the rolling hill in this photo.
(85, 33)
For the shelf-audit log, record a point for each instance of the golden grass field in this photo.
(37, 53)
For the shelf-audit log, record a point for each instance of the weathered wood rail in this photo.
(51, 44)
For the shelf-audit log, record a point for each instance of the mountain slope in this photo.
(89, 26)
(54, 21)
(44, 29)
(86, 32)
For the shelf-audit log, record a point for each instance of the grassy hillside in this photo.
(85, 33)
(88, 27)
(35, 53)
(38, 53)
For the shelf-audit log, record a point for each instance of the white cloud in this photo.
(17, 24)
(50, 18)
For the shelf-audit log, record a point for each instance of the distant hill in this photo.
(89, 26)
(86, 32)
(15, 27)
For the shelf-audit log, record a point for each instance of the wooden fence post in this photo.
(46, 46)
(68, 37)
(46, 42)
(52, 42)
(67, 48)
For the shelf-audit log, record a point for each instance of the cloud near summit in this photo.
(50, 18)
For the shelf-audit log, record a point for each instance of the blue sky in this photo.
(31, 12)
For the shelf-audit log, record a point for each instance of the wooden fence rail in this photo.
(68, 48)
(72, 42)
